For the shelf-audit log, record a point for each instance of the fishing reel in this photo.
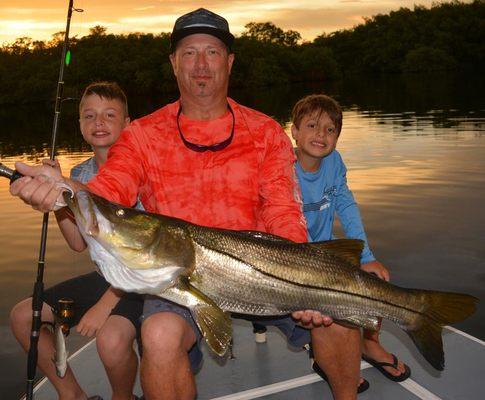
(64, 314)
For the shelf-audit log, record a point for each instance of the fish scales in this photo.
(232, 260)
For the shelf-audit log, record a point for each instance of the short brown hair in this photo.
(316, 104)
(106, 90)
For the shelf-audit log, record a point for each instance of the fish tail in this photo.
(441, 309)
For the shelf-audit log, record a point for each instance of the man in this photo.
(213, 162)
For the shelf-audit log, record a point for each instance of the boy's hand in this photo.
(38, 187)
(376, 268)
(312, 319)
(93, 320)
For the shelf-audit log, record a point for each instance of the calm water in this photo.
(415, 150)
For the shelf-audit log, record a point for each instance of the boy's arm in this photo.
(69, 229)
(97, 315)
(349, 215)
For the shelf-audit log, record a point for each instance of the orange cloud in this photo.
(39, 20)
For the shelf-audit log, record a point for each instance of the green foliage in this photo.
(428, 59)
(268, 32)
(452, 33)
(448, 36)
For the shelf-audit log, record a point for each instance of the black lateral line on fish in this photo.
(302, 285)
(315, 287)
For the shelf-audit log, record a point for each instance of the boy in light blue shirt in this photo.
(321, 172)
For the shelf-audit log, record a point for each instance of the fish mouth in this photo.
(84, 207)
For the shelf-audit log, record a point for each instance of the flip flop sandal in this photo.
(363, 386)
(380, 366)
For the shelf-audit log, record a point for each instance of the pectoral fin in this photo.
(214, 323)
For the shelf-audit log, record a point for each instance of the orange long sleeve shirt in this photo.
(249, 185)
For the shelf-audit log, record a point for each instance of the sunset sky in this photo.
(40, 19)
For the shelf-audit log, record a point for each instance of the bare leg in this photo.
(20, 323)
(337, 351)
(115, 347)
(372, 348)
(165, 365)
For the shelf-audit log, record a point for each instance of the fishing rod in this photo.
(38, 292)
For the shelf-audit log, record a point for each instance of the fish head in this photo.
(138, 239)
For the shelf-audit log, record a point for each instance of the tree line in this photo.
(446, 37)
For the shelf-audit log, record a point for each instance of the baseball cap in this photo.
(201, 21)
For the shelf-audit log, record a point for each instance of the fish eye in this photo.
(120, 212)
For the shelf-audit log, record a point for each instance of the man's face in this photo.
(202, 66)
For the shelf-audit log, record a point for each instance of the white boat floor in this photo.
(272, 371)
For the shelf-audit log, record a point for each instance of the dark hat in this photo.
(201, 21)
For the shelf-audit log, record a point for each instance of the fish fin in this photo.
(442, 309)
(448, 308)
(215, 324)
(360, 321)
(346, 249)
(427, 339)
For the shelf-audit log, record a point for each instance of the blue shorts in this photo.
(296, 335)
(154, 304)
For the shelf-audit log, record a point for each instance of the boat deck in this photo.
(272, 371)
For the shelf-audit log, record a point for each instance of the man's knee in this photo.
(166, 333)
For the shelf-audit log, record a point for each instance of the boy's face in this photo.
(101, 120)
(316, 137)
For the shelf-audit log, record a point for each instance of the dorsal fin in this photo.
(346, 249)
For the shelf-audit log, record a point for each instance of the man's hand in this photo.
(38, 187)
(52, 163)
(93, 320)
(376, 268)
(312, 319)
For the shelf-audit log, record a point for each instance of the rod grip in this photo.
(11, 174)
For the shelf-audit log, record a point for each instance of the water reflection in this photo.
(415, 154)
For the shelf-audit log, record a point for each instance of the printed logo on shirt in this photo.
(323, 203)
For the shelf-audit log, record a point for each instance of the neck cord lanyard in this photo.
(214, 147)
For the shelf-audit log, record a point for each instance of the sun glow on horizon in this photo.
(28, 18)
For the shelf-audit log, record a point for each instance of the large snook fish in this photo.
(216, 271)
